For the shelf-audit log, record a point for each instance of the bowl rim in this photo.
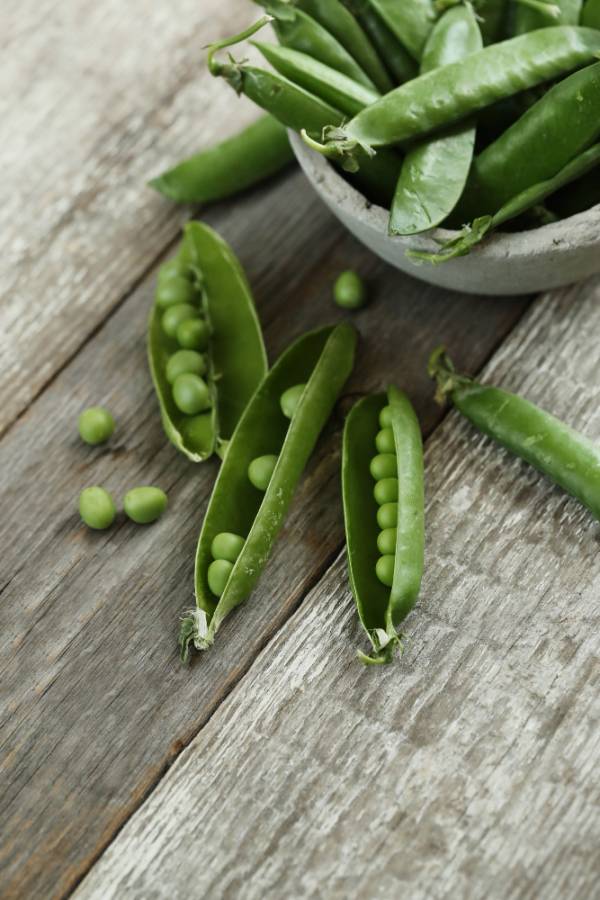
(579, 230)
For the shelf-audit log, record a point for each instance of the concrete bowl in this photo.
(513, 263)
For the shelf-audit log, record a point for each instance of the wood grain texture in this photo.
(95, 705)
(469, 769)
(96, 101)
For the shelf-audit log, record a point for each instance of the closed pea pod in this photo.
(400, 64)
(321, 361)
(385, 543)
(298, 109)
(201, 398)
(551, 446)
(454, 92)
(590, 15)
(410, 21)
(247, 158)
(434, 173)
(556, 129)
(339, 21)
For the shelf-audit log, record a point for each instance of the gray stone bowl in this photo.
(516, 263)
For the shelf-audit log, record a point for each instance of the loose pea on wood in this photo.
(95, 425)
(144, 505)
(349, 291)
(97, 508)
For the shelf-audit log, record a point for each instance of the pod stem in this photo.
(193, 632)
(228, 70)
(337, 146)
(441, 369)
(551, 10)
(461, 245)
(385, 645)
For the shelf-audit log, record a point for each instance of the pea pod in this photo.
(435, 172)
(253, 155)
(300, 110)
(339, 21)
(546, 443)
(529, 16)
(382, 608)
(321, 361)
(452, 93)
(328, 84)
(397, 59)
(299, 31)
(473, 234)
(409, 20)
(590, 15)
(565, 121)
(235, 361)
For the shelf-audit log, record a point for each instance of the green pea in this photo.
(193, 334)
(177, 314)
(386, 491)
(227, 546)
(385, 570)
(385, 442)
(290, 399)
(387, 516)
(185, 362)
(218, 575)
(385, 417)
(385, 465)
(174, 291)
(191, 394)
(144, 504)
(198, 430)
(174, 269)
(260, 471)
(349, 291)
(386, 541)
(95, 425)
(97, 508)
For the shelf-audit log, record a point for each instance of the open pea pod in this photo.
(271, 444)
(383, 493)
(205, 346)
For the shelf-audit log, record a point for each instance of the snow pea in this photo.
(435, 172)
(397, 59)
(410, 21)
(471, 235)
(300, 110)
(236, 360)
(299, 31)
(339, 21)
(330, 85)
(449, 94)
(546, 443)
(247, 158)
(590, 15)
(383, 605)
(321, 360)
(564, 122)
(529, 17)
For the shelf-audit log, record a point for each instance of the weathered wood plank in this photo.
(96, 101)
(95, 703)
(470, 768)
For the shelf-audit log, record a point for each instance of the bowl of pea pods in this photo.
(459, 141)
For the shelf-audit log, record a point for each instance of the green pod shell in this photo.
(339, 21)
(452, 93)
(409, 20)
(527, 19)
(236, 358)
(400, 64)
(249, 157)
(344, 93)
(435, 172)
(556, 129)
(381, 610)
(323, 360)
(549, 445)
(590, 15)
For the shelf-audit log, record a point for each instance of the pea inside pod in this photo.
(206, 354)
(385, 537)
(321, 362)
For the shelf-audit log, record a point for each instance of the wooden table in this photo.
(276, 766)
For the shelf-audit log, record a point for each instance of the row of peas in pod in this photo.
(205, 344)
(437, 110)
